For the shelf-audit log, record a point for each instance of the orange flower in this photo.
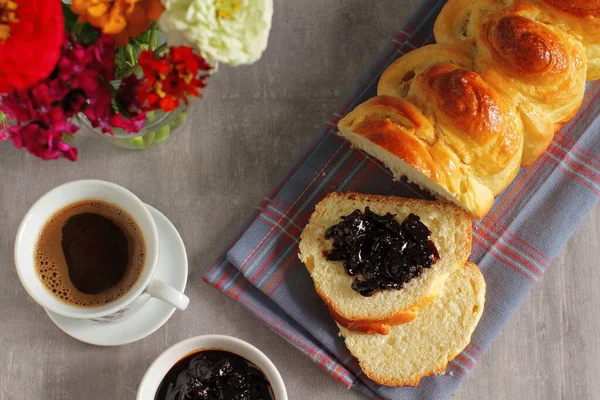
(171, 78)
(121, 19)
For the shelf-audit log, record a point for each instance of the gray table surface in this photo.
(251, 124)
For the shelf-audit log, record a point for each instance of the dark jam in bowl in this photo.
(214, 375)
(379, 252)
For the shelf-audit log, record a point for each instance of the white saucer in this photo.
(172, 269)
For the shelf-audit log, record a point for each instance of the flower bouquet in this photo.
(121, 67)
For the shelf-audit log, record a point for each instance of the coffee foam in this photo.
(51, 265)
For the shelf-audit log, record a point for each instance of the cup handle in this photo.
(161, 290)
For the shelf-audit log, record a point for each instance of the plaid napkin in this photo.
(513, 245)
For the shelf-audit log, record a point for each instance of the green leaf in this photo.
(70, 17)
(130, 52)
(144, 38)
(155, 37)
(127, 56)
(68, 139)
(89, 34)
(85, 33)
(114, 104)
(121, 62)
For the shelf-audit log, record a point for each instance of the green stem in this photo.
(76, 29)
(161, 49)
(154, 37)
(130, 55)
(131, 70)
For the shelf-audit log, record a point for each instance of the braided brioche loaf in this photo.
(460, 117)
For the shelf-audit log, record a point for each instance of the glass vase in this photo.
(158, 127)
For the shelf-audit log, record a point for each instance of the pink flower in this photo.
(74, 101)
(130, 124)
(79, 83)
(104, 56)
(3, 129)
(129, 116)
(46, 144)
(99, 110)
(17, 106)
(87, 67)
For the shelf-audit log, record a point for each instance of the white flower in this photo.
(230, 31)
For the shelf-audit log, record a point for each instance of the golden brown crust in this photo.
(400, 143)
(475, 122)
(459, 19)
(540, 61)
(394, 109)
(396, 126)
(471, 117)
(538, 66)
(577, 8)
(398, 76)
(463, 100)
(504, 77)
(522, 46)
(399, 128)
(582, 19)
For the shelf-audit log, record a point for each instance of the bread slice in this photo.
(396, 132)
(451, 233)
(424, 346)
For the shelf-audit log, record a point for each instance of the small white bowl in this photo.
(159, 368)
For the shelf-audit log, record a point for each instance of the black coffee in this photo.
(90, 253)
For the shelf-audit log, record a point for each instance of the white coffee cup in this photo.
(145, 287)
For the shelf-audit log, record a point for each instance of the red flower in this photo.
(31, 34)
(171, 78)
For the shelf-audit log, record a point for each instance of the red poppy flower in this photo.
(171, 78)
(31, 35)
